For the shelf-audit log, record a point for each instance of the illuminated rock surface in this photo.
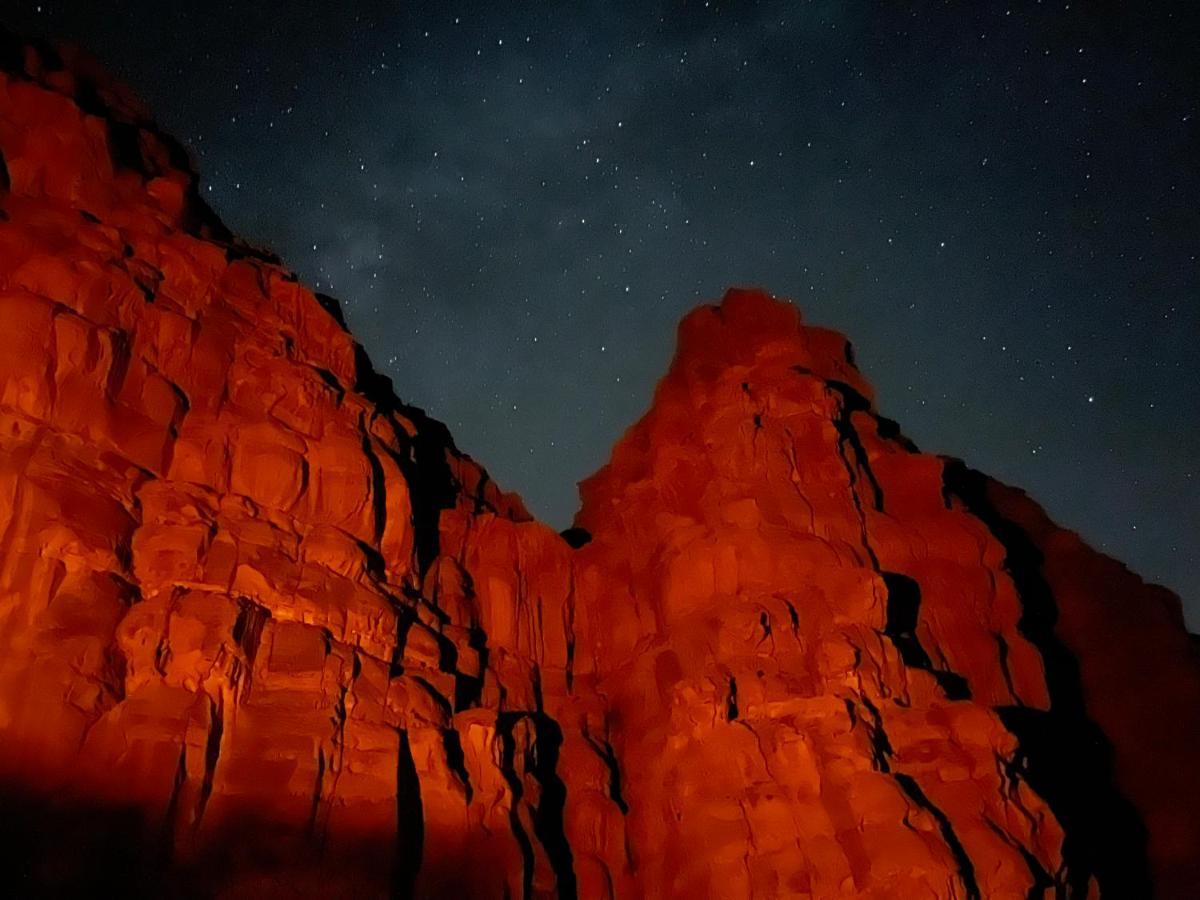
(265, 631)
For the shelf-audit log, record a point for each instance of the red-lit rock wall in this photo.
(265, 631)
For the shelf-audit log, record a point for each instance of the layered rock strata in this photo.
(265, 631)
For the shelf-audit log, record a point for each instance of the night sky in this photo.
(998, 203)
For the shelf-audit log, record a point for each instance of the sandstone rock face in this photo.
(264, 630)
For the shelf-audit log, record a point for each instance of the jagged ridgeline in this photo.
(264, 629)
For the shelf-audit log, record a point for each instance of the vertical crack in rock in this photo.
(456, 760)
(852, 401)
(166, 841)
(540, 761)
(247, 634)
(336, 761)
(1043, 881)
(903, 611)
(903, 593)
(406, 618)
(848, 436)
(789, 452)
(468, 689)
(851, 713)
(432, 487)
(609, 757)
(431, 483)
(1066, 757)
(505, 725)
(881, 753)
(794, 616)
(378, 489)
(212, 753)
(410, 822)
(548, 820)
(568, 616)
(966, 869)
(881, 747)
(764, 621)
(314, 810)
(1002, 652)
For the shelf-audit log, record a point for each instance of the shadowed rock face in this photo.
(265, 631)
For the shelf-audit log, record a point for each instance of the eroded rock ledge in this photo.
(265, 631)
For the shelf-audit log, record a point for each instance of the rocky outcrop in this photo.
(264, 629)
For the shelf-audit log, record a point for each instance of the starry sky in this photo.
(999, 203)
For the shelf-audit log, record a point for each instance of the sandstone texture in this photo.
(265, 631)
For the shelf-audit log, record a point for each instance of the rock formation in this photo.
(265, 631)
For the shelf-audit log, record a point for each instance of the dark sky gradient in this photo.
(998, 203)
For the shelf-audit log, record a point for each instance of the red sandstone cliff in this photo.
(264, 630)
